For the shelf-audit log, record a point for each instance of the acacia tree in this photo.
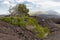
(19, 9)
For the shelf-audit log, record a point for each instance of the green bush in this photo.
(42, 32)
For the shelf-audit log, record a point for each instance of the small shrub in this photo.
(41, 32)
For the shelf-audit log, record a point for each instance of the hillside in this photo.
(23, 26)
(53, 24)
(9, 31)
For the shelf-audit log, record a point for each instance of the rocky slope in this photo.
(52, 25)
(11, 32)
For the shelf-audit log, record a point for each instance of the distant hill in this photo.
(51, 12)
(36, 13)
(49, 16)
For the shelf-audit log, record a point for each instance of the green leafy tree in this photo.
(19, 9)
(22, 8)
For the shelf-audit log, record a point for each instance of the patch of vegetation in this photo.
(20, 21)
(42, 32)
(26, 20)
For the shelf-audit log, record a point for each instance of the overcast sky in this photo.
(31, 4)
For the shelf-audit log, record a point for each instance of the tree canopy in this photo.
(19, 9)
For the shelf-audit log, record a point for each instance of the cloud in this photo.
(6, 2)
(33, 4)
(49, 4)
(19, 1)
(56, 0)
(42, 4)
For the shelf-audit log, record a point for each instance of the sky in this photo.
(33, 5)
